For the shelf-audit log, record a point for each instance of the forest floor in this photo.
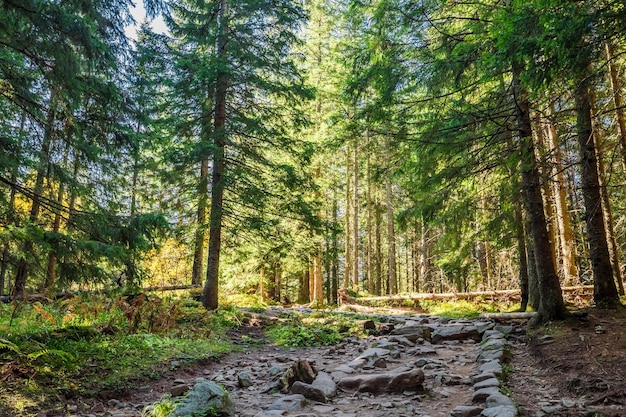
(581, 363)
(571, 368)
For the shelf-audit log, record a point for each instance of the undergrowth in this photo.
(315, 329)
(91, 345)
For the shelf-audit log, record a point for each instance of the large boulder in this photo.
(455, 332)
(206, 398)
(397, 380)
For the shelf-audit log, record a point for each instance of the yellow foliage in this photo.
(44, 314)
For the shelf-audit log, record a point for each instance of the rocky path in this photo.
(413, 366)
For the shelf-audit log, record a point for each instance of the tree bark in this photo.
(616, 88)
(355, 219)
(200, 234)
(371, 284)
(211, 286)
(378, 259)
(551, 304)
(607, 212)
(391, 235)
(347, 281)
(566, 241)
(605, 293)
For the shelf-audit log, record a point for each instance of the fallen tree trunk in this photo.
(347, 299)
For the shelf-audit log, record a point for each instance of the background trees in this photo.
(384, 146)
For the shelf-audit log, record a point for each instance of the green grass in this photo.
(84, 346)
(317, 329)
(463, 308)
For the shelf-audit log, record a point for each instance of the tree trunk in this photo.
(318, 279)
(334, 277)
(348, 236)
(548, 198)
(605, 292)
(378, 259)
(371, 284)
(211, 287)
(304, 294)
(355, 219)
(391, 235)
(522, 253)
(551, 305)
(566, 241)
(616, 88)
(607, 212)
(200, 234)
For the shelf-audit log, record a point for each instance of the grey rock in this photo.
(293, 402)
(483, 326)
(491, 382)
(401, 340)
(423, 351)
(490, 355)
(421, 362)
(244, 380)
(358, 363)
(323, 409)
(481, 377)
(481, 395)
(455, 332)
(271, 413)
(492, 334)
(276, 370)
(345, 369)
(568, 403)
(505, 330)
(466, 411)
(203, 395)
(413, 332)
(308, 391)
(372, 353)
(397, 380)
(492, 366)
(325, 383)
(499, 399)
(493, 344)
(502, 411)
(549, 409)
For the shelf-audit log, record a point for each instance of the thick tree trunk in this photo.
(605, 293)
(211, 286)
(551, 305)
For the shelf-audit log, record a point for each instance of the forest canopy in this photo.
(289, 149)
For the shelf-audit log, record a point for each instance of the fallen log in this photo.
(347, 299)
(515, 315)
